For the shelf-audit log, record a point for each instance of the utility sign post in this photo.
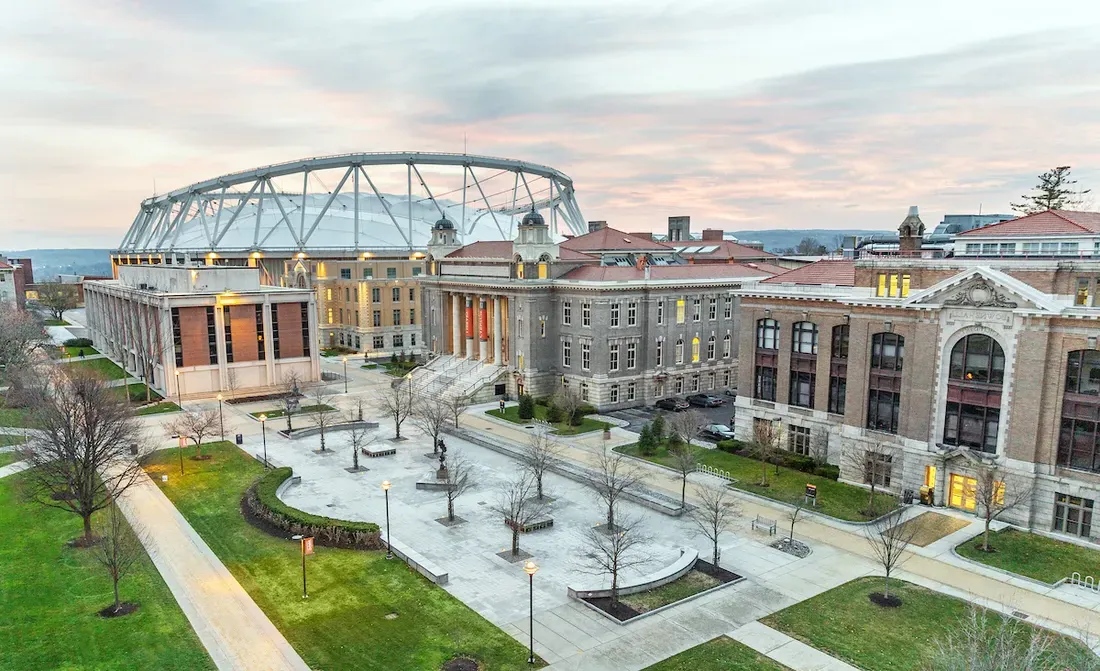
(811, 494)
(307, 549)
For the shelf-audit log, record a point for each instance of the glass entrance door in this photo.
(963, 492)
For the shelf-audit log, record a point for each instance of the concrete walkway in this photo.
(786, 650)
(234, 630)
(12, 469)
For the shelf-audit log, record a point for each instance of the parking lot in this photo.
(640, 415)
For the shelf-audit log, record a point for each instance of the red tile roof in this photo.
(487, 249)
(685, 272)
(727, 249)
(4, 265)
(840, 273)
(566, 254)
(610, 239)
(1050, 222)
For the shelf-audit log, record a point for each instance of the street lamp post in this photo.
(179, 392)
(221, 417)
(530, 568)
(182, 440)
(263, 428)
(386, 489)
(345, 375)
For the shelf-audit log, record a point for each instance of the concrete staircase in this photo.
(447, 376)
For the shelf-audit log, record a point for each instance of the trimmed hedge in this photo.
(784, 458)
(260, 500)
(78, 342)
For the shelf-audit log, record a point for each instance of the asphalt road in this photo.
(640, 415)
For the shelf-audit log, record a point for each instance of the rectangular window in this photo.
(376, 318)
(679, 386)
(631, 355)
(358, 344)
(614, 314)
(614, 393)
(883, 410)
(586, 356)
(275, 330)
(613, 357)
(631, 314)
(712, 309)
(586, 314)
(696, 309)
(679, 310)
(893, 284)
(878, 469)
(412, 294)
(412, 315)
(542, 328)
(659, 353)
(727, 311)
(695, 382)
(177, 337)
(726, 378)
(378, 342)
(355, 294)
(566, 353)
(412, 339)
(345, 273)
(838, 387)
(398, 340)
(567, 313)
(330, 318)
(347, 294)
(397, 318)
(417, 270)
(798, 439)
(904, 286)
(630, 393)
(328, 294)
(660, 312)
(802, 389)
(881, 290)
(396, 297)
(341, 315)
(391, 273)
(260, 349)
(226, 323)
(1073, 515)
(368, 273)
(211, 334)
(376, 295)
(973, 426)
(764, 385)
(305, 328)
(1082, 297)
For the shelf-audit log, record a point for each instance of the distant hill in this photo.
(775, 238)
(49, 263)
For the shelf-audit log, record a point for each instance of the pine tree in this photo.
(1055, 191)
(645, 440)
(657, 431)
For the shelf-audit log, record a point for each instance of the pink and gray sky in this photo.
(742, 114)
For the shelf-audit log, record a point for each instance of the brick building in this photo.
(200, 330)
(943, 363)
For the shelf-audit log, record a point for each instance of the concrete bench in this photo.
(762, 522)
(389, 452)
(534, 525)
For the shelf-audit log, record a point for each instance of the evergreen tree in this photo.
(645, 440)
(526, 407)
(1055, 191)
(657, 431)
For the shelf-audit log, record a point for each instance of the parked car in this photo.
(717, 432)
(673, 404)
(706, 400)
(730, 392)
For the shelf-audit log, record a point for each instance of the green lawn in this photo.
(338, 351)
(833, 498)
(1033, 555)
(104, 367)
(343, 624)
(9, 458)
(7, 439)
(75, 351)
(15, 417)
(56, 322)
(400, 369)
(281, 412)
(50, 593)
(370, 366)
(844, 623)
(158, 408)
(690, 584)
(511, 413)
(718, 654)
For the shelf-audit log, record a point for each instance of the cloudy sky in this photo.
(742, 114)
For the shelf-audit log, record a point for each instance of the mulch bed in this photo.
(879, 599)
(461, 664)
(201, 457)
(792, 547)
(125, 608)
(718, 572)
(623, 612)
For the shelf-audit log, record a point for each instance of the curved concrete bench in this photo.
(673, 571)
(316, 431)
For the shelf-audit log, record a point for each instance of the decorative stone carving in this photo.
(981, 294)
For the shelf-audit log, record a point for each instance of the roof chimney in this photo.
(712, 234)
(679, 228)
(594, 226)
(647, 235)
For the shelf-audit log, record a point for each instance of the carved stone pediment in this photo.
(980, 293)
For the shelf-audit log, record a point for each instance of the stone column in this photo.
(456, 325)
(497, 335)
(469, 327)
(483, 328)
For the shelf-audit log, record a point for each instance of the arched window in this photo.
(727, 346)
(804, 338)
(519, 267)
(1079, 442)
(695, 350)
(884, 385)
(710, 347)
(767, 334)
(544, 266)
(972, 416)
(680, 350)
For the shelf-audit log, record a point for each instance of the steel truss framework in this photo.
(225, 203)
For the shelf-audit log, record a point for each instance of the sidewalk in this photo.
(234, 630)
(786, 650)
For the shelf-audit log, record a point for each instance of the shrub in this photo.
(582, 410)
(799, 463)
(393, 357)
(731, 446)
(554, 414)
(658, 429)
(526, 407)
(645, 440)
(78, 342)
(827, 471)
(544, 401)
(261, 501)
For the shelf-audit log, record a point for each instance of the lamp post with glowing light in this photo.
(345, 375)
(263, 428)
(221, 417)
(531, 568)
(386, 489)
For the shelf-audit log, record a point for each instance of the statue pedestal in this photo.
(441, 474)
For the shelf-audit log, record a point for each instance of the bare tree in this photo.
(612, 551)
(539, 455)
(458, 480)
(873, 465)
(360, 437)
(994, 496)
(145, 337)
(321, 412)
(232, 382)
(979, 644)
(889, 538)
(518, 505)
(21, 333)
(686, 425)
(80, 457)
(684, 461)
(119, 550)
(195, 426)
(57, 298)
(614, 476)
(716, 512)
(819, 446)
(766, 436)
(292, 384)
(569, 402)
(458, 404)
(431, 414)
(794, 512)
(398, 403)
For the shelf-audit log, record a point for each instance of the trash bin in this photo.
(240, 439)
(907, 496)
(133, 448)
